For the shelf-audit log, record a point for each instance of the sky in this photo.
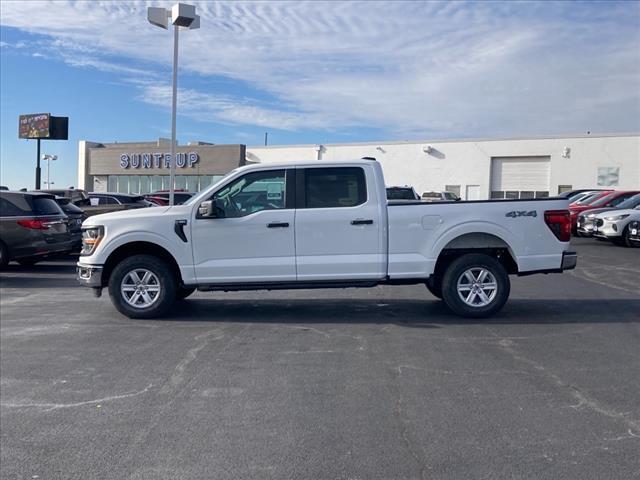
(315, 73)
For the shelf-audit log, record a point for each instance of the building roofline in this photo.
(455, 140)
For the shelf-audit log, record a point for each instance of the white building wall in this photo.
(468, 162)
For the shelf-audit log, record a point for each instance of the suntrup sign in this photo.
(158, 160)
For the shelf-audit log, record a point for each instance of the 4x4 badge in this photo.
(522, 213)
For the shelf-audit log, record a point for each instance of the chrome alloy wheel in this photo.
(140, 288)
(477, 287)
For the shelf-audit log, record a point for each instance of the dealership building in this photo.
(472, 168)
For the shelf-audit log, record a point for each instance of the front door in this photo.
(252, 240)
(339, 235)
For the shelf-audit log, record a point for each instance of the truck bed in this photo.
(419, 231)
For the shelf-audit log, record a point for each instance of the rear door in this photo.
(338, 232)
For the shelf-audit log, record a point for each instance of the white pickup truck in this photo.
(321, 225)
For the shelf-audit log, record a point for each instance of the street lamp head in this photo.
(195, 24)
(183, 15)
(158, 16)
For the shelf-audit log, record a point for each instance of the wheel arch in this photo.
(476, 242)
(138, 248)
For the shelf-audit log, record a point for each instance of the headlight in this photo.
(616, 218)
(91, 237)
(591, 215)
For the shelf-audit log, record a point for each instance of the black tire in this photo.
(164, 277)
(183, 292)
(626, 236)
(28, 262)
(435, 287)
(4, 255)
(455, 272)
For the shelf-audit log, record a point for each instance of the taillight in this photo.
(35, 224)
(559, 222)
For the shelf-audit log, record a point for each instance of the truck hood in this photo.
(136, 214)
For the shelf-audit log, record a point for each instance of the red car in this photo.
(604, 199)
(161, 197)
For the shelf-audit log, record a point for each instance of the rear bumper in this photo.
(569, 261)
(89, 275)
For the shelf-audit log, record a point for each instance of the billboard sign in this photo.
(35, 125)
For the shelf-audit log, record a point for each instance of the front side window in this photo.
(334, 187)
(253, 193)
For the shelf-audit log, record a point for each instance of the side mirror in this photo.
(210, 209)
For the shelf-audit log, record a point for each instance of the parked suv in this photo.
(32, 227)
(614, 225)
(75, 217)
(402, 193)
(130, 201)
(161, 197)
(77, 196)
(586, 219)
(440, 197)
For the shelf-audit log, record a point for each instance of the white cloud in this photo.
(419, 68)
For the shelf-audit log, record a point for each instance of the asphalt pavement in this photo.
(379, 383)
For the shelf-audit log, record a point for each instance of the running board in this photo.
(234, 287)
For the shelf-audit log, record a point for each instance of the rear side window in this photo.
(334, 187)
(14, 206)
(45, 206)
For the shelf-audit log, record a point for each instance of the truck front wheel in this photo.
(475, 286)
(142, 286)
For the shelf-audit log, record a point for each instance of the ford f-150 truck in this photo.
(320, 225)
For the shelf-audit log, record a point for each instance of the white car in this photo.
(321, 225)
(614, 225)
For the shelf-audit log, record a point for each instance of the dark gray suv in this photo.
(32, 228)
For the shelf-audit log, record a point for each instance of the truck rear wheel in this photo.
(475, 286)
(142, 286)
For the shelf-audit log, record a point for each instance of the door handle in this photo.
(278, 225)
(361, 222)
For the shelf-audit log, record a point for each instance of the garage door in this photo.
(520, 177)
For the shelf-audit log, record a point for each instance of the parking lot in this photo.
(342, 384)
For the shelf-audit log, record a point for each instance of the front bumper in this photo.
(608, 229)
(89, 275)
(585, 226)
(569, 261)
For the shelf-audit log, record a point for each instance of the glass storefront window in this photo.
(181, 182)
(123, 184)
(142, 184)
(145, 186)
(191, 184)
(112, 183)
(134, 183)
(156, 183)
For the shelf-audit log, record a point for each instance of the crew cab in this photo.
(320, 225)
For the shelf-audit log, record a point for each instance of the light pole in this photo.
(180, 15)
(49, 159)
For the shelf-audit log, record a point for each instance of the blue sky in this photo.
(315, 72)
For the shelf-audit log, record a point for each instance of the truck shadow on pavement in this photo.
(410, 313)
